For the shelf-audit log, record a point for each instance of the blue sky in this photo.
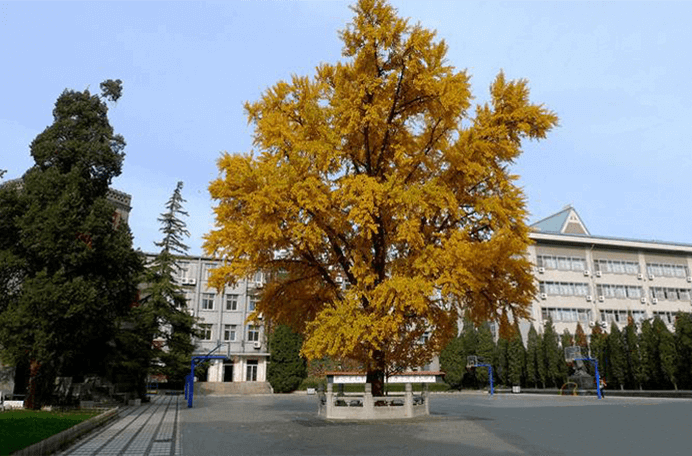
(616, 73)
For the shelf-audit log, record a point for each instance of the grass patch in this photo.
(21, 428)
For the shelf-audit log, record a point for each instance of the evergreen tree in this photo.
(68, 264)
(581, 341)
(618, 360)
(542, 362)
(517, 359)
(503, 361)
(667, 354)
(453, 363)
(163, 322)
(599, 349)
(486, 351)
(651, 373)
(469, 340)
(683, 344)
(632, 356)
(552, 355)
(287, 368)
(533, 376)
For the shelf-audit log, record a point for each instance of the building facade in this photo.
(597, 280)
(222, 318)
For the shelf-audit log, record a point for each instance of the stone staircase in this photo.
(227, 388)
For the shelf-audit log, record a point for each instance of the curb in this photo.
(64, 438)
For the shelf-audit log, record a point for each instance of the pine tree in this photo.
(667, 354)
(683, 344)
(632, 355)
(599, 349)
(453, 363)
(651, 373)
(287, 368)
(68, 265)
(533, 376)
(503, 372)
(618, 360)
(552, 355)
(517, 359)
(485, 351)
(162, 318)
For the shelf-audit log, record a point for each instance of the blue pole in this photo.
(598, 380)
(191, 383)
(490, 373)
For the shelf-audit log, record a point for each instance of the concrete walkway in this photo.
(151, 429)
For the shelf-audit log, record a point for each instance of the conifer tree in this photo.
(617, 359)
(632, 355)
(287, 368)
(667, 354)
(375, 172)
(68, 268)
(485, 351)
(683, 344)
(162, 317)
(503, 372)
(581, 340)
(517, 359)
(453, 363)
(552, 356)
(599, 342)
(651, 360)
(533, 376)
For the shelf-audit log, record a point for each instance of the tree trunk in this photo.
(375, 373)
(31, 402)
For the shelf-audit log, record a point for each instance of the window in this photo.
(229, 332)
(667, 270)
(231, 302)
(252, 302)
(251, 375)
(568, 315)
(561, 263)
(616, 266)
(671, 294)
(207, 301)
(253, 333)
(206, 331)
(207, 270)
(564, 288)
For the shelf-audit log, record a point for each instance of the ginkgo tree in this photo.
(379, 207)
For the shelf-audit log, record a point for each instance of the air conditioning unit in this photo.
(544, 296)
(589, 298)
(592, 324)
(586, 273)
(191, 281)
(640, 276)
(654, 300)
(601, 298)
(643, 300)
(541, 270)
(339, 279)
(598, 273)
(689, 279)
(257, 344)
(604, 325)
(260, 316)
(651, 277)
(183, 280)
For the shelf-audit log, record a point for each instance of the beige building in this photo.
(222, 318)
(597, 280)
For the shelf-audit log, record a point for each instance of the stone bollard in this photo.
(408, 401)
(426, 398)
(368, 402)
(330, 398)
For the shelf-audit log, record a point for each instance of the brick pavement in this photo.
(151, 429)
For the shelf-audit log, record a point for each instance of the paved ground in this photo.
(460, 424)
(147, 430)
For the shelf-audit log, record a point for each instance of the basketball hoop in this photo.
(572, 353)
(471, 362)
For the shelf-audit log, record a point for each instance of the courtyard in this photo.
(459, 424)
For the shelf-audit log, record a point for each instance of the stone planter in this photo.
(368, 407)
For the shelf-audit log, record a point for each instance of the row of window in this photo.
(231, 302)
(619, 291)
(230, 332)
(667, 270)
(563, 314)
(611, 266)
(667, 317)
(564, 288)
(620, 316)
(670, 294)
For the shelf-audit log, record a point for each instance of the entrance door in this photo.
(228, 372)
(251, 370)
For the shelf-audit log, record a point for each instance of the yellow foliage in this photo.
(372, 173)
